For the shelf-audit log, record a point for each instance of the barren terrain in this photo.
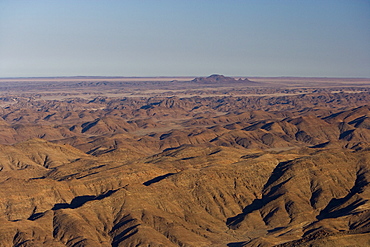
(210, 161)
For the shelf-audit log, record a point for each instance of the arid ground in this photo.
(207, 161)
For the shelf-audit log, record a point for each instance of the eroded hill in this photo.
(287, 168)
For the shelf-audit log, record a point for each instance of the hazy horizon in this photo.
(188, 76)
(185, 38)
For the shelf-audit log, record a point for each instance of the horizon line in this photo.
(190, 76)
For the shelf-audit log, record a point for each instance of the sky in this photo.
(308, 38)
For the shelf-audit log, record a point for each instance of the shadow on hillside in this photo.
(81, 200)
(157, 179)
(272, 194)
(236, 244)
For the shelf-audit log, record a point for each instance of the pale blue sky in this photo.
(185, 38)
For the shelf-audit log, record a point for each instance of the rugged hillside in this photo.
(189, 196)
(265, 170)
(282, 121)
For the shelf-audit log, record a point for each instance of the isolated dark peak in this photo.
(218, 79)
(215, 78)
